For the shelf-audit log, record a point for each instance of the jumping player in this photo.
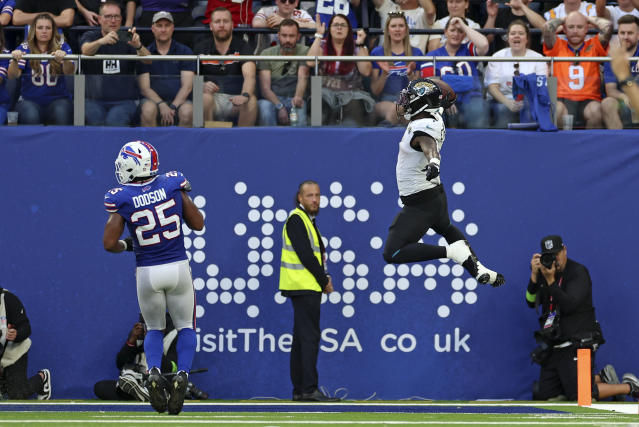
(153, 207)
(420, 188)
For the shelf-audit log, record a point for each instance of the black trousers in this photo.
(559, 375)
(108, 390)
(16, 383)
(306, 338)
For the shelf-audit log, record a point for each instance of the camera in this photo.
(548, 259)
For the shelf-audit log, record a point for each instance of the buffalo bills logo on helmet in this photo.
(128, 152)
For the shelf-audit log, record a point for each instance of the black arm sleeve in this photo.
(17, 316)
(127, 355)
(299, 239)
(574, 292)
(532, 289)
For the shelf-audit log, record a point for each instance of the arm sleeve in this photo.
(299, 239)
(17, 316)
(572, 294)
(531, 292)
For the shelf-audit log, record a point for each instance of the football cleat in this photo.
(177, 392)
(486, 276)
(461, 253)
(46, 385)
(157, 385)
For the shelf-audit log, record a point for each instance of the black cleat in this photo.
(177, 392)
(157, 386)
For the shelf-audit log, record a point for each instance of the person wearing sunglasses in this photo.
(499, 75)
(272, 17)
(283, 83)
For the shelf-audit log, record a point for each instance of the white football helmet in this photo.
(136, 159)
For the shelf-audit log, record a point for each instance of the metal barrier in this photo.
(316, 80)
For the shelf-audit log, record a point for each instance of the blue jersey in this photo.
(153, 215)
(7, 6)
(42, 88)
(463, 76)
(4, 66)
(535, 88)
(609, 76)
(398, 74)
(328, 8)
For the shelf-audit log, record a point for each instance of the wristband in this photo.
(434, 161)
(126, 245)
(628, 82)
(172, 106)
(246, 95)
(161, 102)
(279, 106)
(318, 36)
(138, 48)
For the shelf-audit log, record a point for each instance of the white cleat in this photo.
(486, 276)
(458, 251)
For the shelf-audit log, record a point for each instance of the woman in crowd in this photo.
(389, 78)
(499, 75)
(344, 100)
(456, 8)
(44, 95)
(4, 96)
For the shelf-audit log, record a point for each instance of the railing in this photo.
(315, 97)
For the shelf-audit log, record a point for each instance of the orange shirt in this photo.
(577, 81)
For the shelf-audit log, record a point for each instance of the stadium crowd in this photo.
(267, 93)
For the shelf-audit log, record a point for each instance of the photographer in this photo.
(564, 290)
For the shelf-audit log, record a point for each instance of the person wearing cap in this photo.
(563, 289)
(179, 9)
(166, 86)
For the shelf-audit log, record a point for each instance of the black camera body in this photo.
(547, 259)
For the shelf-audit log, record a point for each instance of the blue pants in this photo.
(267, 115)
(113, 113)
(3, 113)
(58, 112)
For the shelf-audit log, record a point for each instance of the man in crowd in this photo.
(229, 86)
(272, 17)
(616, 106)
(283, 84)
(578, 83)
(111, 89)
(166, 85)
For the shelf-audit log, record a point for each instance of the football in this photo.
(449, 95)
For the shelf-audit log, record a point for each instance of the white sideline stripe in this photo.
(174, 421)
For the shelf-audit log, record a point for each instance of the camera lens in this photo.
(547, 259)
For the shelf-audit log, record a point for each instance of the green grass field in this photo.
(278, 413)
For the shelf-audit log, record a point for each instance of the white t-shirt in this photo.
(440, 24)
(411, 163)
(616, 13)
(503, 72)
(266, 40)
(416, 19)
(585, 8)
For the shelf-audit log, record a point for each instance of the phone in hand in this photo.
(125, 35)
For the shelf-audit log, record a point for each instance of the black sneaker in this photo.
(128, 383)
(633, 382)
(157, 386)
(177, 392)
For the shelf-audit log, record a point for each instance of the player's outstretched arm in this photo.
(112, 232)
(429, 148)
(191, 214)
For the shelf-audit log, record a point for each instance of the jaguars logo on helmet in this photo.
(420, 95)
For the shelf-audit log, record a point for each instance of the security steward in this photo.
(303, 279)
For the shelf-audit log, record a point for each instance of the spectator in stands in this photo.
(456, 8)
(283, 84)
(344, 100)
(272, 16)
(88, 12)
(241, 11)
(621, 67)
(44, 95)
(578, 83)
(417, 16)
(616, 106)
(517, 10)
(470, 110)
(389, 78)
(567, 6)
(6, 11)
(179, 9)
(499, 75)
(4, 96)
(614, 13)
(15, 343)
(63, 11)
(328, 9)
(166, 85)
(111, 86)
(229, 86)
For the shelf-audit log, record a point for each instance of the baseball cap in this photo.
(551, 244)
(162, 15)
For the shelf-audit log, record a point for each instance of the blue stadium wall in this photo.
(389, 332)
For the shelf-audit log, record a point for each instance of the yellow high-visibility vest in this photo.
(293, 275)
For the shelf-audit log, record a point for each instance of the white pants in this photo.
(166, 286)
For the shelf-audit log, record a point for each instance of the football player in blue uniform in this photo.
(153, 206)
(44, 95)
(420, 187)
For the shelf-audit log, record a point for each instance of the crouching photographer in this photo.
(563, 289)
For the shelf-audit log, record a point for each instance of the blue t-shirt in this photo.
(44, 87)
(166, 5)
(328, 8)
(464, 77)
(397, 77)
(153, 215)
(165, 75)
(609, 76)
(4, 66)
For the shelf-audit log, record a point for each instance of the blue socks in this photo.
(186, 344)
(153, 348)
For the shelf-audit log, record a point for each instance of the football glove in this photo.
(129, 244)
(432, 171)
